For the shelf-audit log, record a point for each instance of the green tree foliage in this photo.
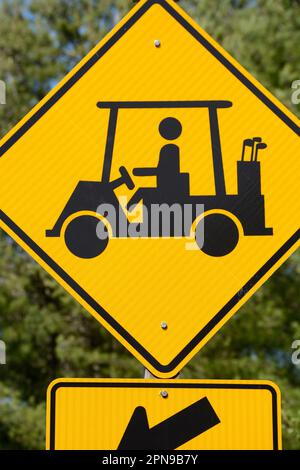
(48, 334)
(263, 35)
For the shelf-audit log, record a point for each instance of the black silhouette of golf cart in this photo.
(223, 215)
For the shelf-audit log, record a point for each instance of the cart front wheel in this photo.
(86, 236)
(217, 235)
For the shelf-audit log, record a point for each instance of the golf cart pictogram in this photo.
(223, 213)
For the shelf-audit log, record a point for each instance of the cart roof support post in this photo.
(112, 126)
(217, 152)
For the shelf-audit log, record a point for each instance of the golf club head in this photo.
(256, 141)
(261, 146)
(246, 143)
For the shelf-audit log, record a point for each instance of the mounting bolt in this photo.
(164, 394)
(164, 325)
(157, 43)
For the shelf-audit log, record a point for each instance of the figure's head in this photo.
(170, 128)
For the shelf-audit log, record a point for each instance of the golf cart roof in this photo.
(163, 104)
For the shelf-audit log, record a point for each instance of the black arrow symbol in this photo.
(171, 433)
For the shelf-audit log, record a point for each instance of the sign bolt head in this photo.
(164, 394)
(164, 325)
(157, 43)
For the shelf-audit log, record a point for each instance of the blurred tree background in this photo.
(47, 333)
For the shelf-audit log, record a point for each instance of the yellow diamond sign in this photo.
(158, 183)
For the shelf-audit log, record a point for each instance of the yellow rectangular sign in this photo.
(101, 414)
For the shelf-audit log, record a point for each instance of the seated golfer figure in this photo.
(168, 168)
(167, 172)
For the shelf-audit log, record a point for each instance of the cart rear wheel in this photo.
(217, 235)
(82, 236)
